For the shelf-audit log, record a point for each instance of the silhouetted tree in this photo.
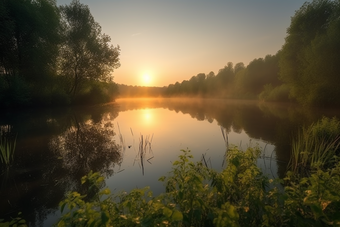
(28, 46)
(85, 53)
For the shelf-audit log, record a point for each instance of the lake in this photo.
(56, 147)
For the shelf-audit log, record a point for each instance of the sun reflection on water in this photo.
(147, 117)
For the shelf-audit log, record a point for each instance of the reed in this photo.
(226, 141)
(316, 145)
(144, 148)
(7, 148)
(121, 138)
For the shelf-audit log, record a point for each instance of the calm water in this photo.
(55, 148)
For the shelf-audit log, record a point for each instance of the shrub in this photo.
(240, 195)
(279, 93)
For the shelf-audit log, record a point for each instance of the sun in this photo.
(146, 79)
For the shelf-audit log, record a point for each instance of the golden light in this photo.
(146, 80)
(147, 116)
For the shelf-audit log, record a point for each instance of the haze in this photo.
(172, 41)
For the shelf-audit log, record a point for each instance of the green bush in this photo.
(97, 92)
(195, 195)
(271, 94)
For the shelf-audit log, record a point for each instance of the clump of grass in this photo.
(7, 147)
(316, 145)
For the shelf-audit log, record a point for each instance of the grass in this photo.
(7, 148)
(316, 145)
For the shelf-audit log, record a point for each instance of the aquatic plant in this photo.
(7, 148)
(18, 221)
(316, 145)
(144, 148)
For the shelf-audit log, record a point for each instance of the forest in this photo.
(52, 55)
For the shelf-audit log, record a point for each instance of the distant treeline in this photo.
(231, 81)
(140, 91)
(305, 70)
(52, 55)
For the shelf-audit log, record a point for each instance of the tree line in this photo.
(305, 70)
(52, 55)
(237, 81)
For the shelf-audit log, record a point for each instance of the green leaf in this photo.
(62, 207)
(177, 216)
(180, 195)
(167, 212)
(104, 217)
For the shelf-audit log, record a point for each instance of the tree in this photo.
(238, 67)
(308, 62)
(86, 53)
(28, 44)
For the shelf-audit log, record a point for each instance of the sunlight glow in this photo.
(146, 80)
(147, 116)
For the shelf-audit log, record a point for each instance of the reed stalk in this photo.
(7, 148)
(144, 148)
(314, 146)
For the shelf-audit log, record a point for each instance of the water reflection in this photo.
(56, 147)
(274, 124)
(87, 146)
(53, 152)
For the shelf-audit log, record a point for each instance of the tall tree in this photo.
(309, 57)
(29, 36)
(86, 53)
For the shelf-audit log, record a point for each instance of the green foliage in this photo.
(314, 200)
(85, 53)
(308, 56)
(197, 196)
(137, 208)
(234, 197)
(187, 186)
(243, 185)
(81, 213)
(277, 94)
(29, 39)
(96, 92)
(48, 53)
(316, 145)
(15, 222)
(7, 148)
(231, 82)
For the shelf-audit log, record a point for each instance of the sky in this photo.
(165, 41)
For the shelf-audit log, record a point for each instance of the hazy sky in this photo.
(173, 40)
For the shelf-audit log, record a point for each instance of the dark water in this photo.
(55, 148)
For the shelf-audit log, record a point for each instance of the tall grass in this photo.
(316, 145)
(7, 148)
